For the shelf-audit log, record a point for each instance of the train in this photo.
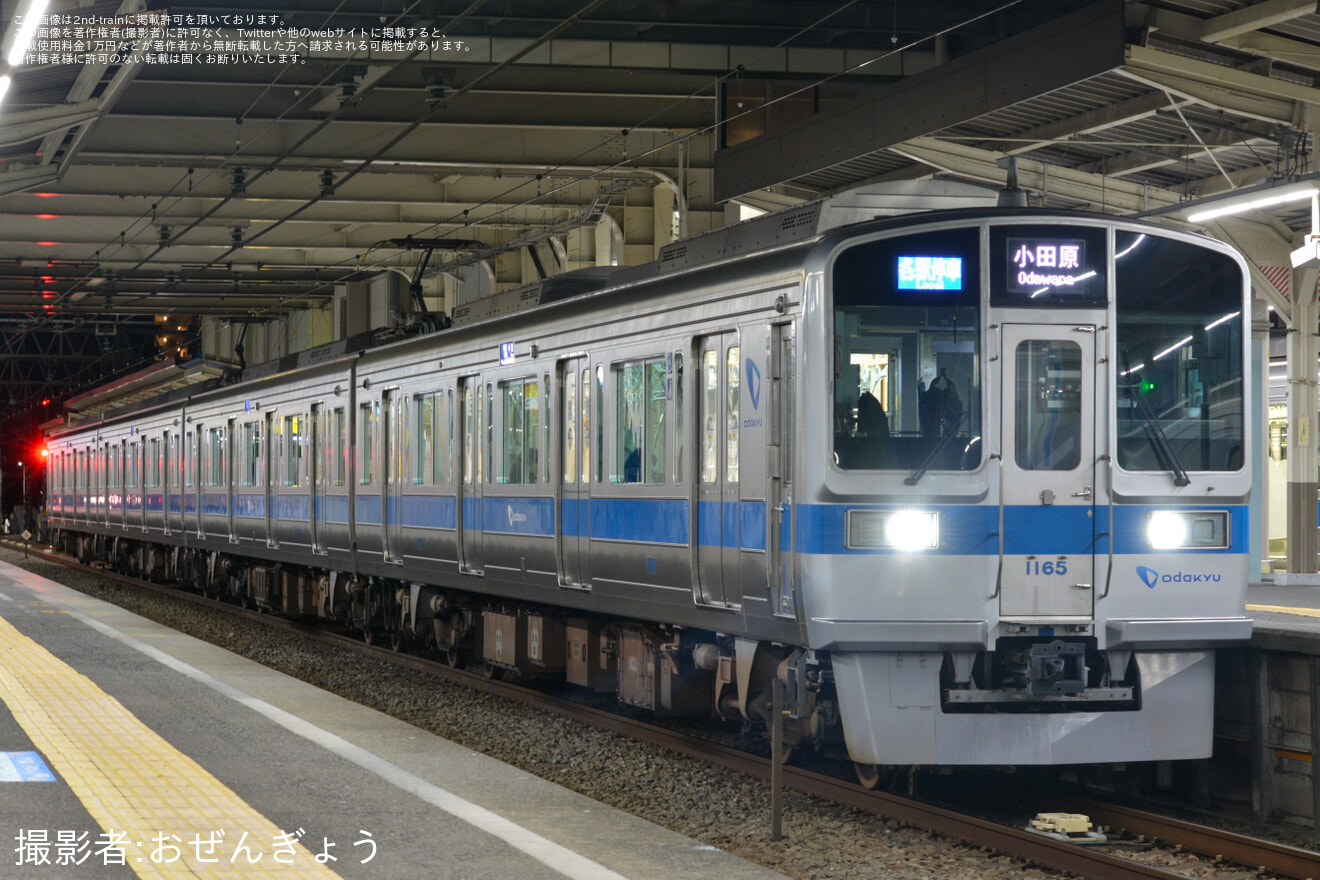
(970, 485)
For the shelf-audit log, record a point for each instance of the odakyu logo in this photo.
(754, 383)
(1150, 577)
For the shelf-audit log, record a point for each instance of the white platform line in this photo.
(555, 856)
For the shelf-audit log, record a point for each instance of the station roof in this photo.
(166, 162)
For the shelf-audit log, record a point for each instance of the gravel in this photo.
(729, 811)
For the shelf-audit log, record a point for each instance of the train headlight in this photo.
(1187, 529)
(908, 531)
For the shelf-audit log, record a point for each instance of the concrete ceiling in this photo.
(243, 191)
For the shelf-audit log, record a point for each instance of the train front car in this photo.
(1028, 531)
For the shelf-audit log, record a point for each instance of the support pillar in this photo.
(1258, 421)
(1302, 413)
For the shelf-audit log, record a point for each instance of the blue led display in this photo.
(930, 273)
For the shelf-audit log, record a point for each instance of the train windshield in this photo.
(907, 383)
(1179, 369)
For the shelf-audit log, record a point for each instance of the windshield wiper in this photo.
(1158, 439)
(939, 447)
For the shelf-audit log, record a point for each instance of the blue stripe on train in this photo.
(965, 529)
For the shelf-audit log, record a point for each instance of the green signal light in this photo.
(1146, 386)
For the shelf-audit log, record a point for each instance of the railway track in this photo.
(1086, 861)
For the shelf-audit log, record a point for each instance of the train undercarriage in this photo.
(669, 671)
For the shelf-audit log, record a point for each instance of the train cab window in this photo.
(907, 382)
(293, 450)
(368, 416)
(641, 400)
(521, 440)
(1048, 417)
(1179, 337)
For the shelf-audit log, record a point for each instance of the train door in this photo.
(229, 475)
(199, 471)
(392, 452)
(781, 386)
(574, 526)
(166, 484)
(717, 486)
(317, 479)
(121, 472)
(269, 472)
(469, 486)
(1048, 417)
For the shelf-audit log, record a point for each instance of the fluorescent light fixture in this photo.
(1255, 199)
(1215, 324)
(31, 18)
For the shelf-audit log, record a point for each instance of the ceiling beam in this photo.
(1061, 52)
(1100, 193)
(1253, 18)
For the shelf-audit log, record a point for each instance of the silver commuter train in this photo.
(972, 484)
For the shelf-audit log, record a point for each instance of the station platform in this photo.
(1287, 617)
(130, 750)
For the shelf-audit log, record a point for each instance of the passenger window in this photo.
(586, 426)
(511, 394)
(153, 463)
(251, 452)
(570, 428)
(215, 458)
(640, 422)
(340, 446)
(368, 414)
(444, 435)
(710, 405)
(469, 435)
(678, 418)
(732, 389)
(424, 450)
(521, 402)
(547, 443)
(293, 451)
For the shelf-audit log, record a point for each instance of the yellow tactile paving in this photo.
(1283, 609)
(131, 780)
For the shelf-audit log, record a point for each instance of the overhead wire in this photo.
(458, 221)
(461, 221)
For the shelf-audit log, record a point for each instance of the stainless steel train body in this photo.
(973, 485)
